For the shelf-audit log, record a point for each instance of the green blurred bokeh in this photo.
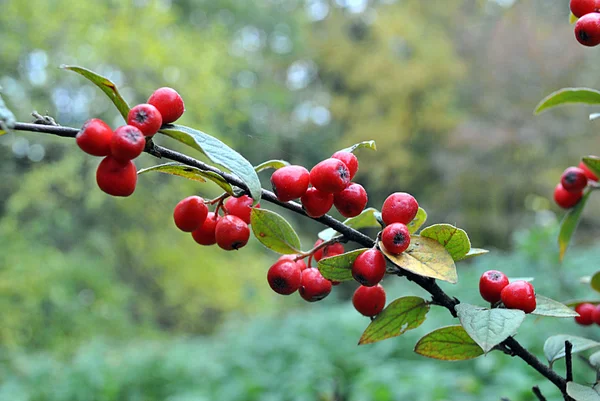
(104, 299)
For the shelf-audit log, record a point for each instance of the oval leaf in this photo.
(339, 268)
(451, 343)
(455, 240)
(569, 224)
(274, 232)
(554, 347)
(582, 393)
(473, 252)
(595, 281)
(593, 163)
(398, 317)
(105, 84)
(418, 221)
(364, 144)
(551, 308)
(489, 327)
(595, 360)
(191, 173)
(425, 257)
(218, 153)
(566, 96)
(365, 219)
(274, 164)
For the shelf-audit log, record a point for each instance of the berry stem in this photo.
(338, 238)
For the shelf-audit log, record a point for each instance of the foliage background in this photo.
(104, 299)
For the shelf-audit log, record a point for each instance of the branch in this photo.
(439, 297)
(538, 393)
(569, 360)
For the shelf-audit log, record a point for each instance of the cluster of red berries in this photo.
(495, 287)
(588, 314)
(573, 181)
(116, 174)
(587, 28)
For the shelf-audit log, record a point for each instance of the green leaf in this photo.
(364, 144)
(365, 219)
(455, 240)
(451, 343)
(418, 221)
(489, 327)
(554, 347)
(551, 308)
(105, 84)
(572, 18)
(473, 252)
(218, 153)
(274, 164)
(582, 393)
(569, 224)
(595, 360)
(595, 281)
(425, 257)
(189, 172)
(593, 163)
(7, 118)
(568, 95)
(274, 232)
(339, 267)
(528, 279)
(398, 317)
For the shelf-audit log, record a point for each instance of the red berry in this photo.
(169, 103)
(596, 314)
(146, 118)
(369, 301)
(369, 267)
(589, 174)
(586, 314)
(564, 198)
(579, 8)
(574, 179)
(349, 160)
(300, 262)
(205, 235)
(240, 207)
(351, 201)
(399, 207)
(334, 249)
(115, 177)
(316, 203)
(395, 238)
(127, 143)
(190, 213)
(519, 295)
(331, 175)
(290, 182)
(284, 276)
(587, 29)
(314, 286)
(491, 284)
(95, 137)
(231, 232)
(318, 255)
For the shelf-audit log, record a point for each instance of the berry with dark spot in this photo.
(169, 103)
(316, 203)
(284, 276)
(587, 30)
(399, 207)
(566, 199)
(351, 201)
(313, 286)
(146, 118)
(395, 238)
(240, 207)
(369, 267)
(94, 137)
(190, 213)
(115, 177)
(349, 160)
(290, 182)
(369, 301)
(205, 234)
(127, 143)
(519, 295)
(491, 284)
(573, 179)
(331, 175)
(231, 232)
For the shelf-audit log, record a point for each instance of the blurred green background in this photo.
(104, 299)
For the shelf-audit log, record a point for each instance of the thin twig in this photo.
(569, 360)
(538, 393)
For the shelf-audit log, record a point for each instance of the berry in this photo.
(115, 177)
(313, 286)
(369, 301)
(127, 143)
(349, 160)
(399, 207)
(587, 29)
(589, 174)
(290, 182)
(95, 137)
(284, 276)
(574, 179)
(169, 103)
(318, 254)
(146, 118)
(316, 203)
(596, 314)
(369, 267)
(334, 249)
(586, 314)
(395, 238)
(300, 262)
(491, 284)
(205, 235)
(190, 213)
(240, 207)
(579, 8)
(564, 198)
(351, 201)
(519, 295)
(331, 175)
(231, 232)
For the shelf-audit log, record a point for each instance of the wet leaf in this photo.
(455, 240)
(274, 232)
(365, 219)
(569, 224)
(418, 221)
(567, 96)
(554, 347)
(274, 164)
(191, 173)
(339, 267)
(451, 343)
